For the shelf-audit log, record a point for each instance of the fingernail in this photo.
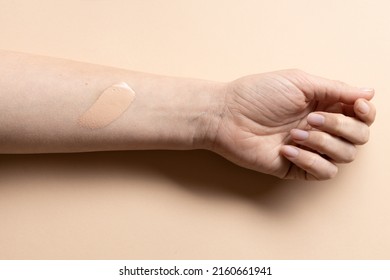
(290, 151)
(315, 119)
(299, 134)
(363, 107)
(369, 89)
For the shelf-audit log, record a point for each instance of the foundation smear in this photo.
(110, 105)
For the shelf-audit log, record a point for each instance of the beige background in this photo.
(167, 204)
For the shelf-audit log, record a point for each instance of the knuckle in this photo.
(309, 163)
(322, 142)
(329, 173)
(350, 154)
(332, 172)
(364, 135)
(338, 124)
(373, 114)
(341, 83)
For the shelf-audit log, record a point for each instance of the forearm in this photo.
(43, 98)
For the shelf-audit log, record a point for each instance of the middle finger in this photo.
(335, 148)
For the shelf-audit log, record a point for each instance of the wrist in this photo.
(207, 126)
(173, 113)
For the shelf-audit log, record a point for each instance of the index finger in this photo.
(332, 91)
(365, 111)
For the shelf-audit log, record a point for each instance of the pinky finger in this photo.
(316, 167)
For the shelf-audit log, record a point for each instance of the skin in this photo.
(268, 124)
(264, 122)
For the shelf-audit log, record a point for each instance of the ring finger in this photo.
(324, 143)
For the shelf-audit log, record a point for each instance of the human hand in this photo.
(267, 124)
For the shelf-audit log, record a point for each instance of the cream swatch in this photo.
(110, 105)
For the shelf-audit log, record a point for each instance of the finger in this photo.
(351, 129)
(334, 147)
(312, 163)
(365, 111)
(322, 89)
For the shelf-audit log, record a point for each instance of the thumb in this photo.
(332, 91)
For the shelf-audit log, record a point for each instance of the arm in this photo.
(264, 122)
(43, 98)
